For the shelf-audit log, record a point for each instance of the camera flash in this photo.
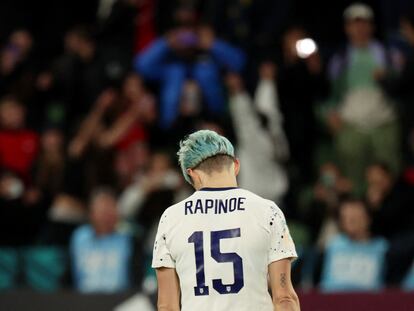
(305, 47)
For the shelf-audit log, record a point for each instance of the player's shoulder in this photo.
(260, 201)
(265, 210)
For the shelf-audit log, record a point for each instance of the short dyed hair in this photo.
(200, 146)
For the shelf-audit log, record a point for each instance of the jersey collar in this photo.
(218, 189)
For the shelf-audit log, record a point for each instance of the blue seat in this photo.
(44, 267)
(9, 268)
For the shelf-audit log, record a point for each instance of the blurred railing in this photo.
(16, 300)
(387, 300)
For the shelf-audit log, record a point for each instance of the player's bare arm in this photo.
(283, 293)
(168, 290)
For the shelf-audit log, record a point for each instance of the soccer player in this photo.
(215, 250)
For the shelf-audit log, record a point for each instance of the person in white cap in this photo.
(358, 11)
(362, 118)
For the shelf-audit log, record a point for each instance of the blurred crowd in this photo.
(91, 114)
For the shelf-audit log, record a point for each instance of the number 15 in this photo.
(215, 236)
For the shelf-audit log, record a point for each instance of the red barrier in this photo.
(389, 300)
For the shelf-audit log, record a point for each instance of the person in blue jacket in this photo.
(188, 52)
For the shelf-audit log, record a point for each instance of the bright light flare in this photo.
(306, 47)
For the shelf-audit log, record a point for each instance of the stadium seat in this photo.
(9, 262)
(44, 267)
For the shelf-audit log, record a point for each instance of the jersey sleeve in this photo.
(281, 243)
(161, 254)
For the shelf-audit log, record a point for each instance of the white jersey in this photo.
(221, 241)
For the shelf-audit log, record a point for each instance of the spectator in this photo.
(16, 65)
(12, 211)
(188, 51)
(48, 180)
(261, 148)
(49, 168)
(190, 111)
(400, 259)
(363, 122)
(18, 145)
(320, 203)
(399, 85)
(142, 200)
(252, 25)
(18, 151)
(79, 74)
(101, 256)
(354, 260)
(85, 153)
(116, 125)
(116, 23)
(300, 81)
(390, 201)
(135, 115)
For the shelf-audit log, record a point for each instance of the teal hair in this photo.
(199, 146)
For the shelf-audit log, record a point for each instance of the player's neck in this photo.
(217, 181)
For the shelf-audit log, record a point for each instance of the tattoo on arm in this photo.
(283, 280)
